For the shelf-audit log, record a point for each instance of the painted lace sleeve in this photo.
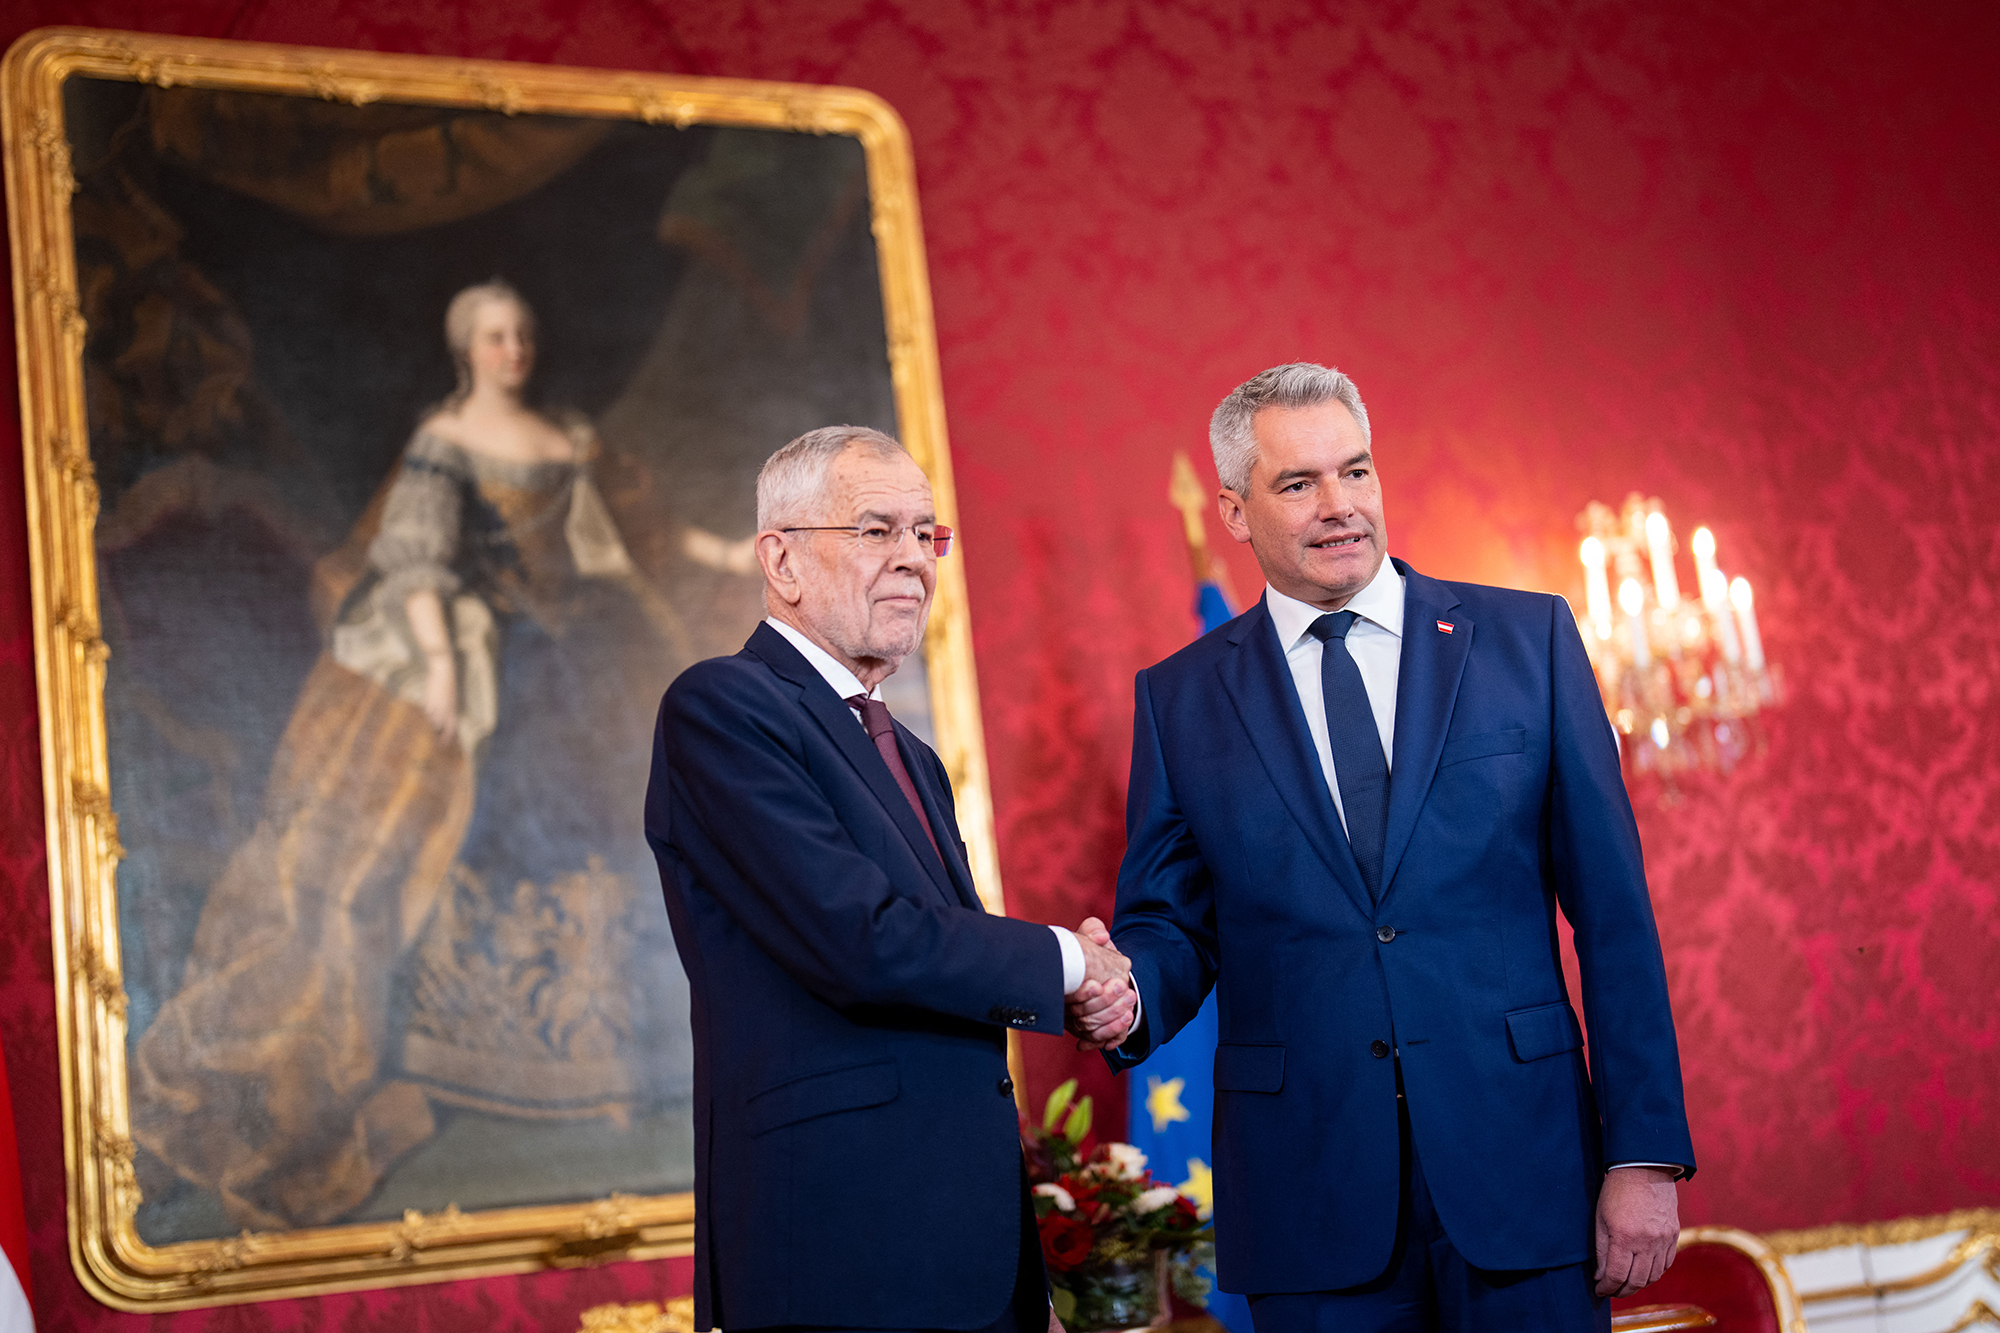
(414, 549)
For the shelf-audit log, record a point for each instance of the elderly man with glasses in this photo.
(857, 1156)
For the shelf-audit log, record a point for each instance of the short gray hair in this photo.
(793, 479)
(1232, 431)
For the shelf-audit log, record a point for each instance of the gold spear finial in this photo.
(1187, 494)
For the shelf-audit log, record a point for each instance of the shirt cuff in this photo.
(1072, 956)
(1138, 1012)
(1674, 1167)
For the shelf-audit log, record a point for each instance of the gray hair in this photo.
(1232, 432)
(458, 321)
(793, 479)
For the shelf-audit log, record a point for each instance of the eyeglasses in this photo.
(880, 538)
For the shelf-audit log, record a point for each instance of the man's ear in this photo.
(780, 565)
(1230, 505)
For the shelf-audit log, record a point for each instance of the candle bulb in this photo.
(1596, 587)
(1702, 544)
(1633, 598)
(1746, 619)
(1660, 545)
(1715, 594)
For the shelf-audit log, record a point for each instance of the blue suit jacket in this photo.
(857, 1155)
(1505, 800)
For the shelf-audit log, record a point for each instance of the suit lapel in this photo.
(1259, 684)
(916, 759)
(1433, 663)
(848, 736)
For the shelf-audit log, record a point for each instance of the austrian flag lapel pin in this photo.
(1444, 627)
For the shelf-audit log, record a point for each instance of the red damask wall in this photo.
(1738, 255)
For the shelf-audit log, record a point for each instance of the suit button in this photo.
(1385, 934)
(1006, 1087)
(1379, 1049)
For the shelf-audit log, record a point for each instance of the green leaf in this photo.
(1064, 1301)
(1078, 1123)
(1058, 1103)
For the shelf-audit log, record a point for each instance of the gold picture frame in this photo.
(112, 1260)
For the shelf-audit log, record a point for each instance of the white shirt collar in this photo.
(844, 682)
(1380, 603)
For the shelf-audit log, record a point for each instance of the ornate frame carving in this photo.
(1897, 1231)
(114, 1264)
(1981, 1245)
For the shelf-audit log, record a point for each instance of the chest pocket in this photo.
(1484, 746)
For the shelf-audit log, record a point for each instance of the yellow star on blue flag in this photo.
(1163, 1102)
(1199, 1186)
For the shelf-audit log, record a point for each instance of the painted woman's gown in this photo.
(421, 919)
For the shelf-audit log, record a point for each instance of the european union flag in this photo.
(1172, 1095)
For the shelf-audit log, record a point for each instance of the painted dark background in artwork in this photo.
(1737, 256)
(347, 331)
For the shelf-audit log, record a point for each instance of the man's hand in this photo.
(1102, 962)
(1099, 1012)
(1638, 1228)
(1098, 1017)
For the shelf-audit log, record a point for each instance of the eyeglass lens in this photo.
(938, 539)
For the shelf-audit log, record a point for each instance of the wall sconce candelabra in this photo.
(1682, 678)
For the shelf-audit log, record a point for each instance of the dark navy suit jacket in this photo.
(1505, 801)
(857, 1154)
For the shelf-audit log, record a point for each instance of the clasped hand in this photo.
(1099, 1013)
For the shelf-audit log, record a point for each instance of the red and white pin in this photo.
(1444, 627)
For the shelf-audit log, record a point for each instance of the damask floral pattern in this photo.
(1736, 255)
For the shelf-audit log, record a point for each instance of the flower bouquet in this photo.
(1114, 1237)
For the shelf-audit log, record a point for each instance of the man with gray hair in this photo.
(857, 1156)
(1354, 812)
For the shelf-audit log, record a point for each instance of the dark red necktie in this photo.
(875, 717)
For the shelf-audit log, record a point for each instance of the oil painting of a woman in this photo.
(435, 912)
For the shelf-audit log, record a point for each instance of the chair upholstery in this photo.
(1734, 1276)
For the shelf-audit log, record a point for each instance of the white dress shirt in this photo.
(1375, 643)
(847, 685)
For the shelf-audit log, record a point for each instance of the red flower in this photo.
(1066, 1240)
(1085, 1194)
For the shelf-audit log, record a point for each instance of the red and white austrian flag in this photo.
(1444, 627)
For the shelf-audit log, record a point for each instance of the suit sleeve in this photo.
(798, 885)
(1600, 878)
(1165, 922)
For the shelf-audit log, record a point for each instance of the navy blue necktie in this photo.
(1359, 765)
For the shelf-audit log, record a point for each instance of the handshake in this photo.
(1100, 1012)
